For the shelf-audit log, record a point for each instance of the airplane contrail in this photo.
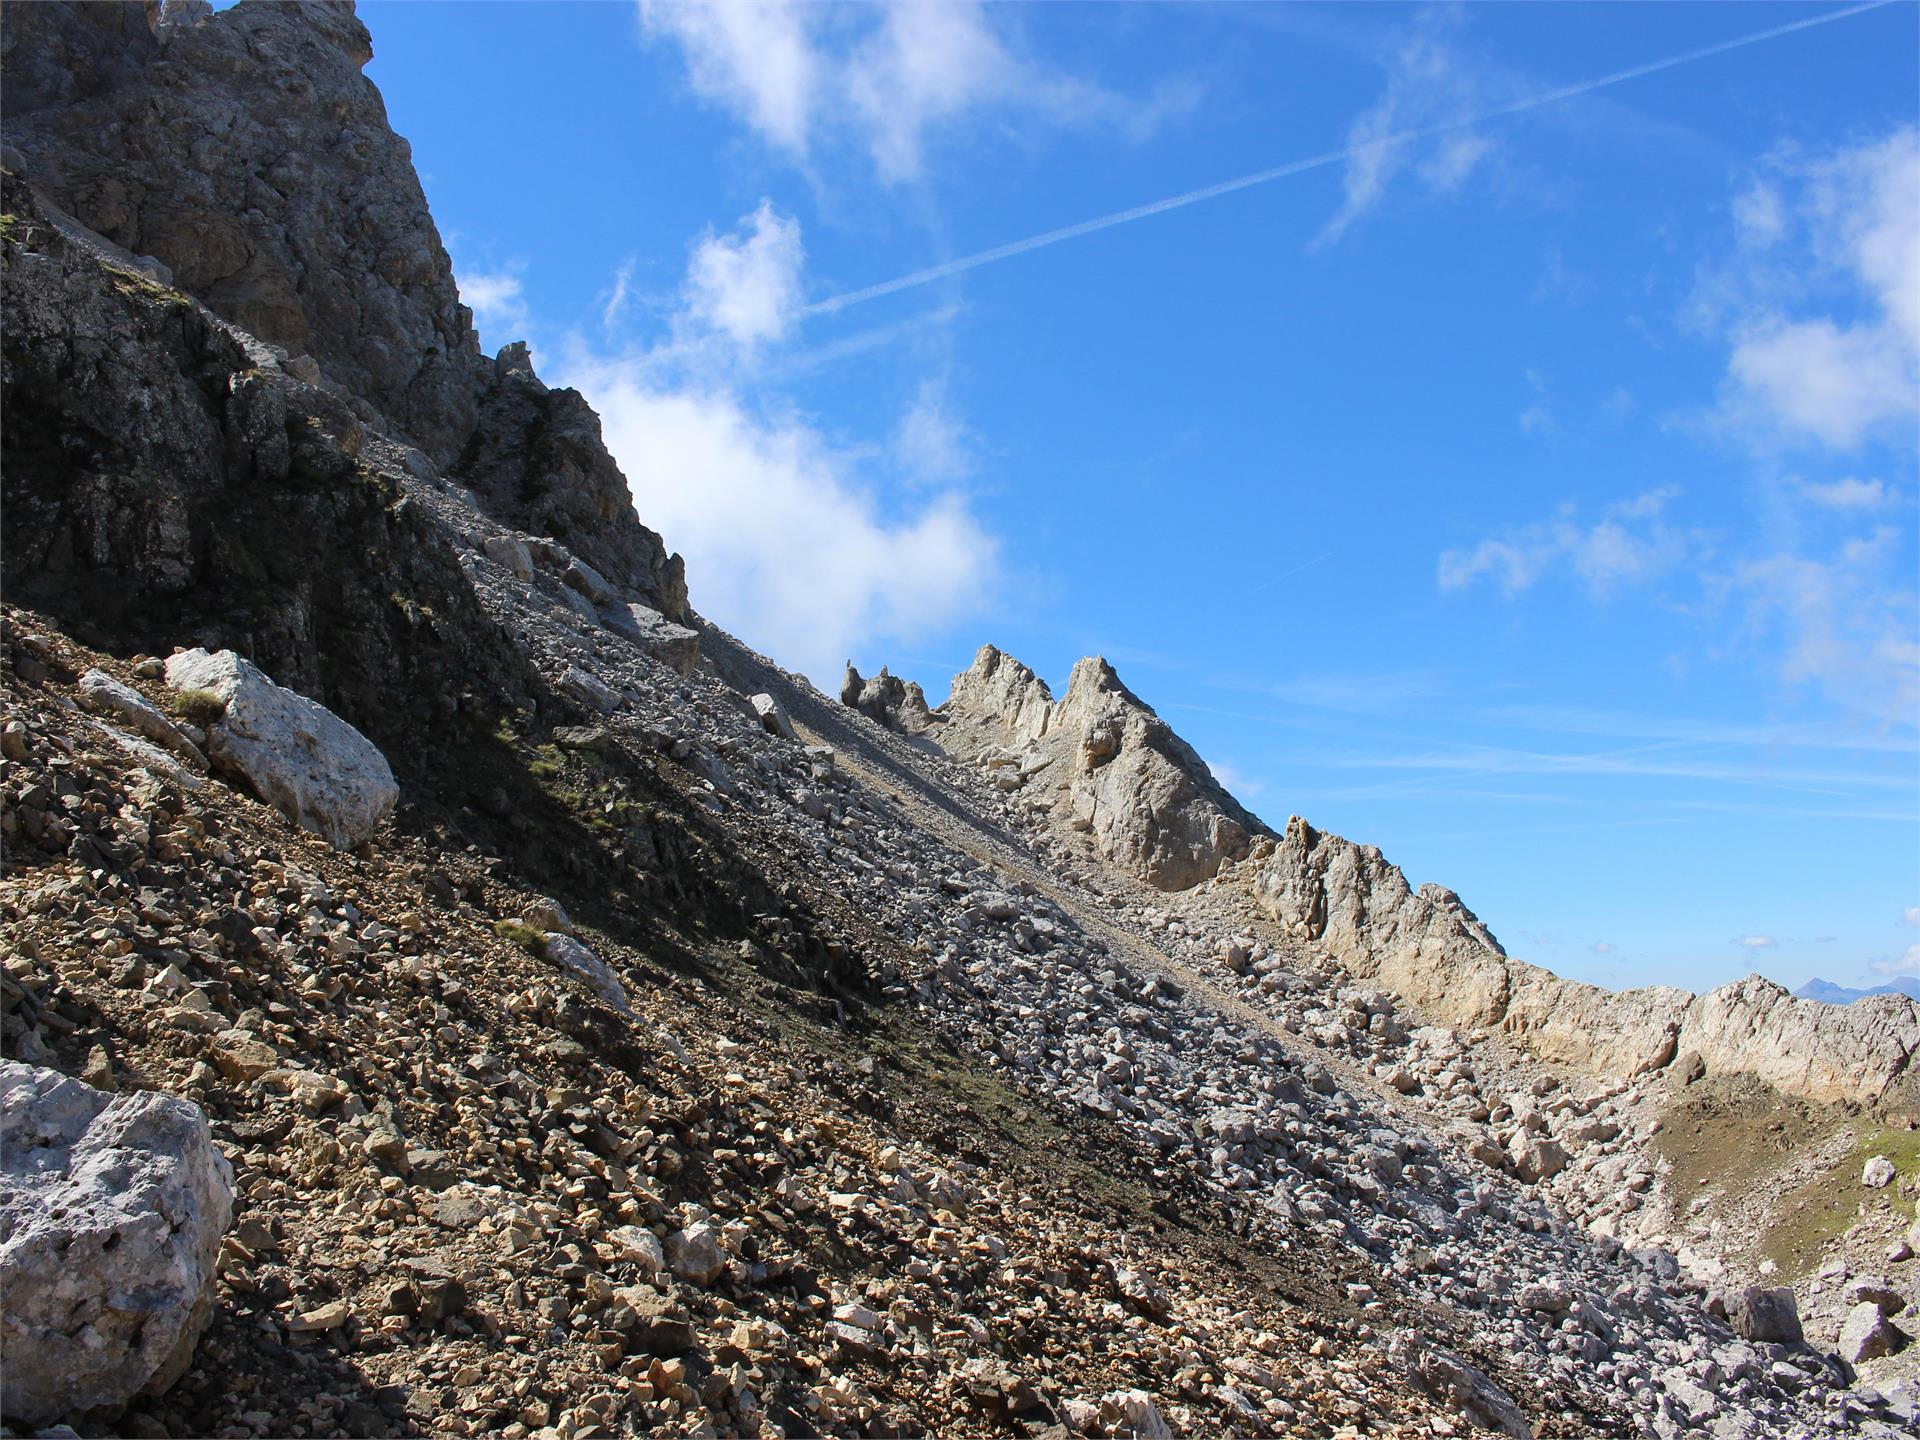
(1315, 162)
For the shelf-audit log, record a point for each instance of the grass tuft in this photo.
(200, 707)
(532, 941)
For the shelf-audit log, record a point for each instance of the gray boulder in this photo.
(1765, 1314)
(586, 689)
(294, 753)
(112, 1209)
(1457, 1384)
(510, 553)
(1868, 1334)
(674, 646)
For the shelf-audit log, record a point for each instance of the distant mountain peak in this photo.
(1829, 993)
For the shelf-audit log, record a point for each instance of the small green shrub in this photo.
(200, 707)
(524, 935)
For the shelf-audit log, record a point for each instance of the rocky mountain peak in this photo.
(1119, 773)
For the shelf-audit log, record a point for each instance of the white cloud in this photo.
(496, 299)
(1815, 378)
(1630, 543)
(1837, 235)
(1427, 84)
(888, 77)
(784, 544)
(931, 445)
(788, 542)
(1757, 942)
(618, 297)
(1911, 917)
(1602, 947)
(923, 65)
(1847, 493)
(756, 59)
(747, 287)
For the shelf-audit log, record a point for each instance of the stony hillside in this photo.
(452, 987)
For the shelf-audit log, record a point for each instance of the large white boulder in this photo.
(296, 754)
(112, 1209)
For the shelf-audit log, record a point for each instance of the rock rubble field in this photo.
(450, 987)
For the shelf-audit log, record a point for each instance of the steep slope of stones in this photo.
(471, 1197)
(1123, 776)
(688, 1052)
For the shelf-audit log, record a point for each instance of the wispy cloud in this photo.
(1907, 962)
(1629, 543)
(1844, 622)
(1648, 761)
(619, 296)
(1535, 101)
(890, 77)
(1430, 90)
(1756, 942)
(1847, 493)
(1242, 786)
(931, 444)
(1622, 725)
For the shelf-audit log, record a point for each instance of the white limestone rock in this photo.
(773, 716)
(104, 693)
(563, 949)
(293, 752)
(112, 1209)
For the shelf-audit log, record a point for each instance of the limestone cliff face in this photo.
(247, 154)
(1431, 949)
(1149, 801)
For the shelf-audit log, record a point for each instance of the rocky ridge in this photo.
(1122, 775)
(677, 1061)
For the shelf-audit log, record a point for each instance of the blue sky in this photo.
(1534, 497)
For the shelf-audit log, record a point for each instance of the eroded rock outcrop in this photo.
(1147, 799)
(111, 1215)
(886, 699)
(1430, 948)
(536, 460)
(295, 754)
